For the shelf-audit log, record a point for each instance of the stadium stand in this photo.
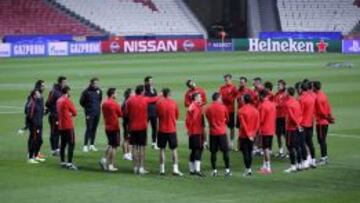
(137, 17)
(318, 15)
(25, 17)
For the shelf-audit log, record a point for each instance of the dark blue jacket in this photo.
(90, 100)
(151, 106)
(34, 111)
(54, 95)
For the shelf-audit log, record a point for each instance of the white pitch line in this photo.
(10, 107)
(344, 135)
(182, 122)
(11, 112)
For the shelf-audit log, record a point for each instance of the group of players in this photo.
(259, 116)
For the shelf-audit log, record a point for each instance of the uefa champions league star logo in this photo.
(114, 47)
(188, 45)
(355, 46)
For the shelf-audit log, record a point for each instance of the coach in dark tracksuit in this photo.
(91, 100)
(150, 91)
(50, 104)
(34, 117)
(40, 86)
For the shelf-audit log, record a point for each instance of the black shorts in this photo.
(231, 123)
(245, 144)
(267, 141)
(280, 127)
(164, 138)
(237, 124)
(113, 137)
(218, 142)
(125, 127)
(196, 141)
(138, 138)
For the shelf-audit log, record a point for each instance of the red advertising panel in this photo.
(115, 45)
(164, 45)
(188, 45)
(119, 45)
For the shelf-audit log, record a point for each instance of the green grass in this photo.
(19, 182)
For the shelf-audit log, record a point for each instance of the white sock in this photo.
(197, 166)
(227, 170)
(264, 165)
(176, 168)
(267, 165)
(308, 157)
(249, 170)
(313, 161)
(162, 168)
(191, 167)
(281, 150)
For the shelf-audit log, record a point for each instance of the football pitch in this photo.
(47, 182)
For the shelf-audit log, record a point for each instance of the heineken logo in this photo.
(287, 45)
(269, 45)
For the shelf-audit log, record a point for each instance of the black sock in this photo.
(226, 159)
(213, 160)
(192, 156)
(198, 154)
(70, 152)
(62, 147)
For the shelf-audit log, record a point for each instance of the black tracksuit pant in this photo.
(67, 140)
(34, 141)
(246, 147)
(92, 122)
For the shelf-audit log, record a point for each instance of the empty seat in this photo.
(137, 17)
(38, 17)
(318, 15)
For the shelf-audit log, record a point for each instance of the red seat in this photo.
(38, 17)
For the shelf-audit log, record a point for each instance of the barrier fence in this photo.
(121, 45)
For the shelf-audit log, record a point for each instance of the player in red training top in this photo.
(294, 131)
(268, 86)
(323, 119)
(217, 116)
(258, 86)
(267, 111)
(111, 112)
(195, 128)
(280, 101)
(243, 89)
(192, 89)
(228, 93)
(307, 102)
(249, 125)
(168, 113)
(136, 109)
(66, 111)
